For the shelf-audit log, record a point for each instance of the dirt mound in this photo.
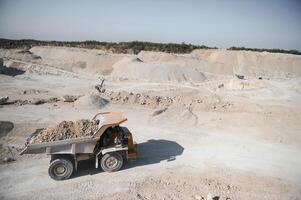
(252, 63)
(9, 71)
(130, 98)
(77, 60)
(66, 130)
(187, 60)
(92, 101)
(19, 54)
(225, 62)
(41, 69)
(185, 104)
(159, 66)
(165, 66)
(133, 69)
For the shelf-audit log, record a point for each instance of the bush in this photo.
(122, 47)
(267, 50)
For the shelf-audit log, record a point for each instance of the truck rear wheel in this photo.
(111, 162)
(60, 169)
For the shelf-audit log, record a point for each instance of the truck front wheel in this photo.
(111, 162)
(60, 169)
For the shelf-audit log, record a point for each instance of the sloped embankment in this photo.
(133, 68)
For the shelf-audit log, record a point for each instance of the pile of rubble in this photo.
(38, 101)
(66, 130)
(212, 103)
(125, 97)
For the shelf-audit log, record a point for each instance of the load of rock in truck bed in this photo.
(66, 130)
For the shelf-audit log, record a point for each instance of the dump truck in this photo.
(110, 146)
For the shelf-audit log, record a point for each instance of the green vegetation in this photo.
(126, 47)
(267, 50)
(121, 47)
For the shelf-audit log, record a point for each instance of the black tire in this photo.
(60, 169)
(111, 162)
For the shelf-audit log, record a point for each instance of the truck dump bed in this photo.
(77, 145)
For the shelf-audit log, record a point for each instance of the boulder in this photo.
(3, 100)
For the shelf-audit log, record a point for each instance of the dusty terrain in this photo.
(202, 132)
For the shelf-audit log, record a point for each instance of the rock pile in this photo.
(66, 130)
(3, 100)
(125, 97)
(90, 101)
(70, 98)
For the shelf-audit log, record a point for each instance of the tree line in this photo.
(126, 47)
(121, 47)
(296, 52)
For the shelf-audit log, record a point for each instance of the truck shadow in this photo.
(155, 151)
(149, 152)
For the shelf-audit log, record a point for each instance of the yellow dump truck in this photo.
(109, 146)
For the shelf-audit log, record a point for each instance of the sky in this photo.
(220, 23)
